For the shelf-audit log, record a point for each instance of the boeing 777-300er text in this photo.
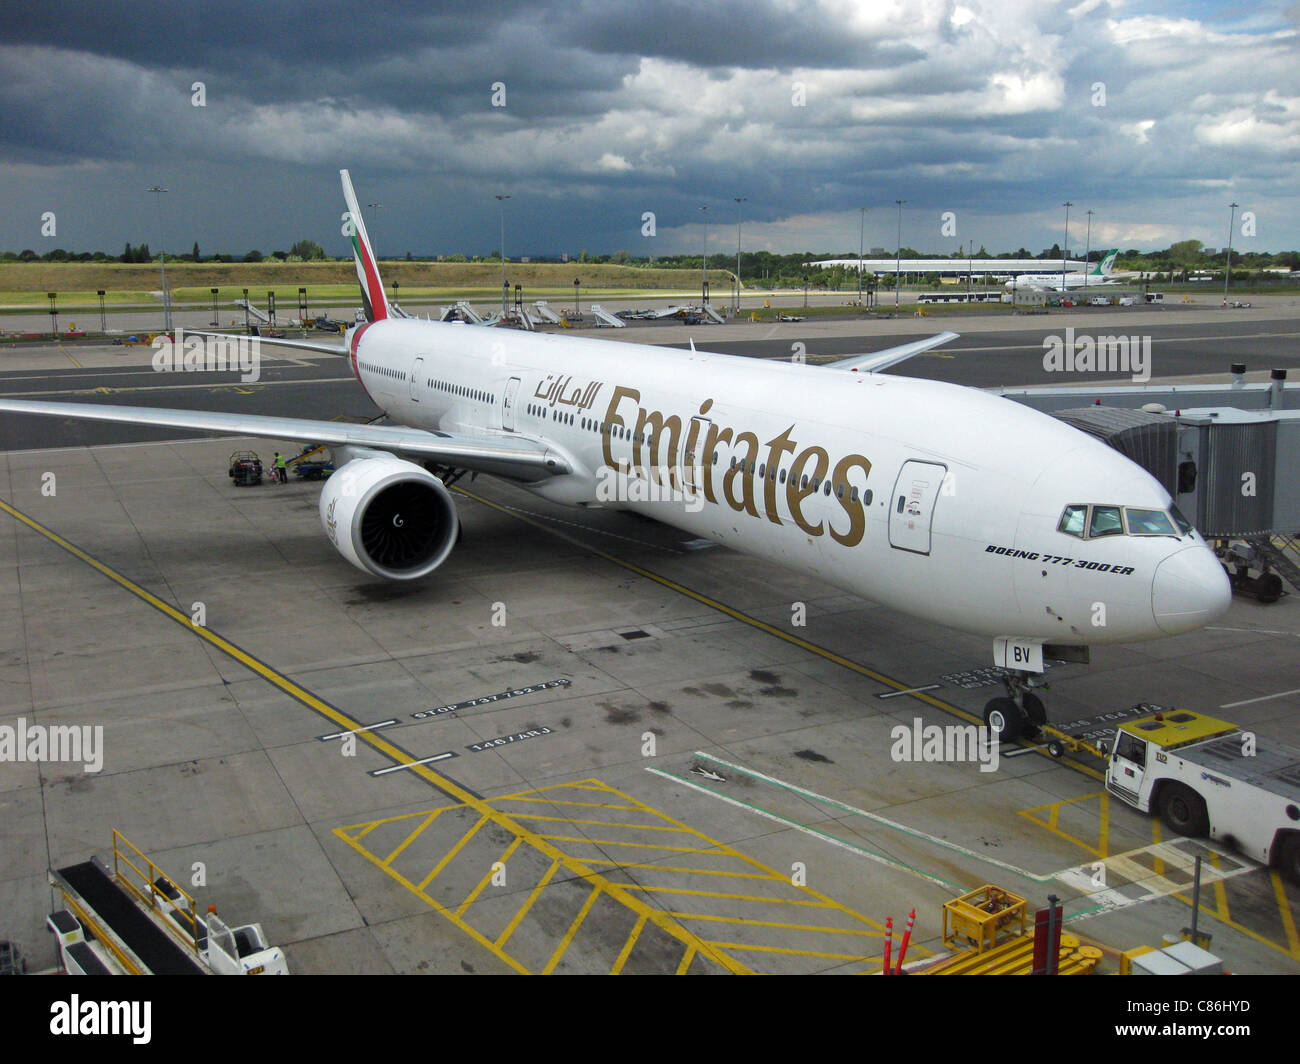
(941, 501)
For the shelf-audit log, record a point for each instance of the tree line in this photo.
(762, 268)
(302, 251)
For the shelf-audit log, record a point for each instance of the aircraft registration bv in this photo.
(943, 502)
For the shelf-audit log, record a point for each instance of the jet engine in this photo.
(389, 517)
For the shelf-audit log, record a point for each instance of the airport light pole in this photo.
(739, 200)
(1232, 223)
(1065, 250)
(1087, 249)
(704, 264)
(501, 205)
(898, 257)
(862, 228)
(162, 255)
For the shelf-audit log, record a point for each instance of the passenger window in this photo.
(1148, 522)
(1072, 521)
(1105, 522)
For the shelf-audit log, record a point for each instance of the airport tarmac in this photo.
(586, 744)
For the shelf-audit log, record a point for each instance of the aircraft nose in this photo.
(1189, 590)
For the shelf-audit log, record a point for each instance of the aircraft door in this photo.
(508, 405)
(912, 509)
(416, 369)
(695, 456)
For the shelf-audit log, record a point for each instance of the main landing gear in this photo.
(447, 474)
(1019, 712)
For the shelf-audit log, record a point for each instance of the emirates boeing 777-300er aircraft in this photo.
(941, 501)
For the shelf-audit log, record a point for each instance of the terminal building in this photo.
(1005, 269)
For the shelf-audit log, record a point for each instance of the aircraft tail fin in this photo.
(372, 288)
(1107, 264)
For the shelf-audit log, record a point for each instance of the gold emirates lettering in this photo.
(808, 467)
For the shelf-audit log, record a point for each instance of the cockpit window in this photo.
(1105, 522)
(1148, 522)
(1073, 521)
(1094, 521)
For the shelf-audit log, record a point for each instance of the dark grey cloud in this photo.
(612, 109)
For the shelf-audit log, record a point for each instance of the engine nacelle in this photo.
(389, 517)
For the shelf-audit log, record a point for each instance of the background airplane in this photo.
(1057, 282)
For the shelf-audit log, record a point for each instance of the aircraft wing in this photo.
(335, 347)
(517, 457)
(891, 356)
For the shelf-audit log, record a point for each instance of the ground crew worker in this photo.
(281, 470)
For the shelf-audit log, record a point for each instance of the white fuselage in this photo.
(943, 501)
(1057, 282)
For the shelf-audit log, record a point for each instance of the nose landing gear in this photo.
(1019, 712)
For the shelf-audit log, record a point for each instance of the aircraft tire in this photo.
(1005, 718)
(1289, 859)
(1183, 811)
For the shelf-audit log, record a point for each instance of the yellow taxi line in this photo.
(604, 823)
(411, 837)
(578, 921)
(450, 855)
(649, 889)
(746, 859)
(748, 921)
(635, 845)
(626, 951)
(1220, 892)
(533, 895)
(774, 876)
(394, 753)
(1284, 908)
(554, 801)
(787, 950)
(434, 904)
(487, 876)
